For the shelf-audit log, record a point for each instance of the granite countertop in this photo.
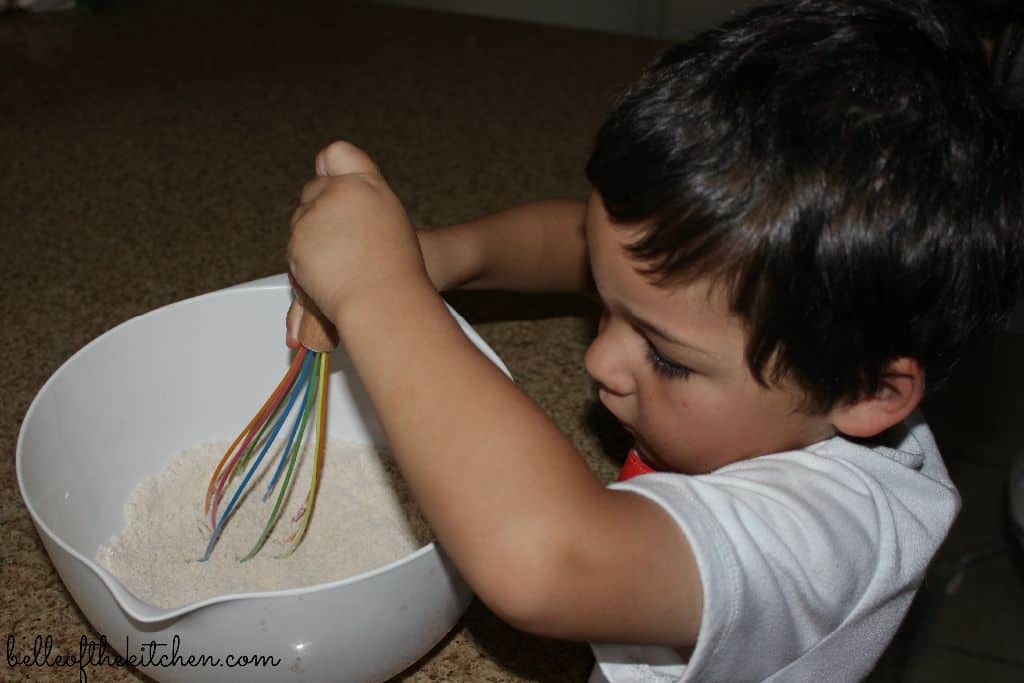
(154, 151)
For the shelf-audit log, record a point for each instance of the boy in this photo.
(798, 221)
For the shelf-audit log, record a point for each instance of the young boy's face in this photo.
(669, 363)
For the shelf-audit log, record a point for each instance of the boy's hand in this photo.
(350, 238)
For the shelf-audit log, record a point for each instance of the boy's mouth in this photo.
(641, 450)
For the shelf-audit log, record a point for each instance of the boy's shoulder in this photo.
(904, 458)
(813, 553)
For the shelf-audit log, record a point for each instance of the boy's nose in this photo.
(607, 359)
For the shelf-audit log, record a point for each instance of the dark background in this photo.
(152, 151)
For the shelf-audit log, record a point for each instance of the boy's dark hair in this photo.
(842, 168)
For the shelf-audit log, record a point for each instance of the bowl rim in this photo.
(131, 604)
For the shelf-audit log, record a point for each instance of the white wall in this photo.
(670, 19)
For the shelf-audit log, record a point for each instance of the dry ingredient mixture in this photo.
(364, 518)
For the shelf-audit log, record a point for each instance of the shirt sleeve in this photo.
(786, 546)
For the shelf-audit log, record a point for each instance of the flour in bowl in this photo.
(364, 517)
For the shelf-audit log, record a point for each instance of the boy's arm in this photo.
(536, 247)
(538, 537)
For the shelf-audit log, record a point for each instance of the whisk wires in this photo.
(307, 376)
(216, 481)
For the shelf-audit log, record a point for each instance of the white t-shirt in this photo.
(808, 559)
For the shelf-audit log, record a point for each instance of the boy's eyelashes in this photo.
(663, 366)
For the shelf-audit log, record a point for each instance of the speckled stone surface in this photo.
(153, 151)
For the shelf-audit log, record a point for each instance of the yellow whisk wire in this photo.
(292, 458)
(321, 423)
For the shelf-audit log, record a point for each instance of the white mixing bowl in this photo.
(118, 410)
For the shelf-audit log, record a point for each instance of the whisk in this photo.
(304, 383)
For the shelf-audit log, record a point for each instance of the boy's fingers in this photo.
(292, 323)
(341, 158)
(313, 189)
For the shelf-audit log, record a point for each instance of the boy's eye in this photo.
(664, 366)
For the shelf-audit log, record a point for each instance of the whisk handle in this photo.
(316, 332)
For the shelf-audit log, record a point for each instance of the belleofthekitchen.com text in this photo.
(43, 653)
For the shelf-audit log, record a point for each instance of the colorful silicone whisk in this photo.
(305, 384)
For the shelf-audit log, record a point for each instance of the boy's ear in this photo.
(901, 391)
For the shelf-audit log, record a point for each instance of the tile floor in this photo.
(967, 623)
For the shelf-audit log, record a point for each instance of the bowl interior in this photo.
(123, 406)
